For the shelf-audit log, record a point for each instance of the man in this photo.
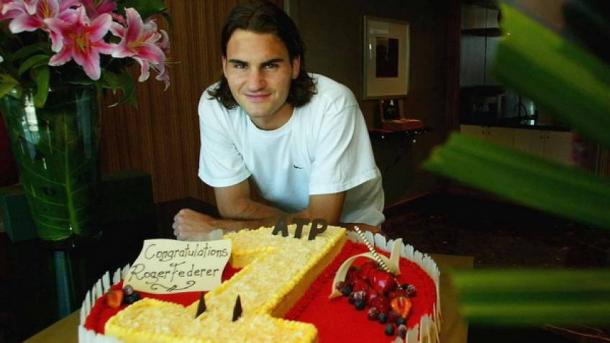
(299, 138)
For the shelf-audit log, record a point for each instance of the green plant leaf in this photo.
(529, 180)
(28, 50)
(7, 84)
(33, 62)
(41, 76)
(533, 297)
(120, 81)
(146, 8)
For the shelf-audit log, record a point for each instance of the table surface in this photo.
(453, 328)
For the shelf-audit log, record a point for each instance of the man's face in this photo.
(259, 72)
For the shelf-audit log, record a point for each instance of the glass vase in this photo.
(57, 153)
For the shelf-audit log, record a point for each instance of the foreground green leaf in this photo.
(533, 297)
(531, 181)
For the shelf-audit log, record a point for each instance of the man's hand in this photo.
(190, 225)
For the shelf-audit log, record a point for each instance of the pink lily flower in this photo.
(83, 42)
(161, 68)
(164, 45)
(96, 7)
(164, 77)
(7, 13)
(31, 6)
(31, 15)
(28, 5)
(34, 13)
(144, 43)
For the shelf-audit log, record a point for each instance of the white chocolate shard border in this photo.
(428, 329)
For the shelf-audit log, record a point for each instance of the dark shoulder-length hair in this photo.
(266, 17)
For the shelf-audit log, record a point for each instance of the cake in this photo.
(284, 285)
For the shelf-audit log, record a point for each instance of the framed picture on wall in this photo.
(386, 58)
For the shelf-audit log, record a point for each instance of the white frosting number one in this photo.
(276, 272)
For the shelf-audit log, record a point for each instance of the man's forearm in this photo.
(240, 212)
(251, 214)
(247, 210)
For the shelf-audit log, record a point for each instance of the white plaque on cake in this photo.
(171, 266)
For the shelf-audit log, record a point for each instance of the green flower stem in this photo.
(74, 224)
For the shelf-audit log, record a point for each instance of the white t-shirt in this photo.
(323, 148)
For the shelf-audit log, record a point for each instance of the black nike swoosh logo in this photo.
(296, 167)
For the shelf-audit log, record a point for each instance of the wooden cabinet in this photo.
(557, 146)
(499, 135)
(476, 56)
(479, 40)
(473, 130)
(552, 145)
(529, 141)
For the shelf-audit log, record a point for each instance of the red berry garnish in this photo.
(360, 285)
(114, 298)
(371, 295)
(382, 304)
(368, 269)
(383, 282)
(353, 273)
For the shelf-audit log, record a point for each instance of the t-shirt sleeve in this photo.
(343, 156)
(220, 163)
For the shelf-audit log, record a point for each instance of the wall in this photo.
(333, 31)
